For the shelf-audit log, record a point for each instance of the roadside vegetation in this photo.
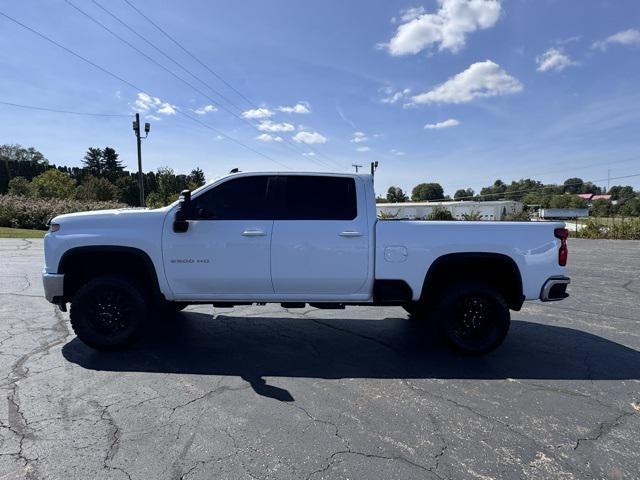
(32, 190)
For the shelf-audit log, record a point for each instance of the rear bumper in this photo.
(554, 289)
(53, 284)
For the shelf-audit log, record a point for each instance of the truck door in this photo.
(320, 240)
(226, 249)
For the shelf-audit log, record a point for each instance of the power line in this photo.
(535, 189)
(250, 102)
(184, 49)
(45, 109)
(161, 52)
(196, 89)
(135, 87)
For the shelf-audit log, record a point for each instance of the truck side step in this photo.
(327, 306)
(293, 305)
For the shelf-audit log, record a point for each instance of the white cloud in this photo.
(309, 138)
(393, 96)
(152, 117)
(206, 109)
(309, 154)
(397, 152)
(300, 107)
(447, 28)
(269, 126)
(412, 13)
(147, 103)
(452, 122)
(364, 148)
(359, 137)
(625, 37)
(167, 109)
(481, 79)
(553, 59)
(258, 113)
(265, 137)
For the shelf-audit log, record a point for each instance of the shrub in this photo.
(97, 189)
(473, 216)
(617, 229)
(440, 213)
(19, 186)
(25, 212)
(52, 184)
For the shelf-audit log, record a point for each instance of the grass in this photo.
(6, 232)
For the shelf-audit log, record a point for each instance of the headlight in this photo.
(54, 227)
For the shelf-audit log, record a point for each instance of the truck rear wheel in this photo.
(107, 312)
(473, 318)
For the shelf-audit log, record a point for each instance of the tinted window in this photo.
(239, 199)
(318, 198)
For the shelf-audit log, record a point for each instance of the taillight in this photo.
(563, 253)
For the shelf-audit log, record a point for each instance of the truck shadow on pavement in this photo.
(258, 347)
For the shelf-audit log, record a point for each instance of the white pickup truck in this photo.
(296, 239)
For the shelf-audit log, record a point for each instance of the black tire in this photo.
(417, 311)
(176, 307)
(108, 312)
(473, 318)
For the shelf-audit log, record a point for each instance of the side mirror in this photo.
(181, 220)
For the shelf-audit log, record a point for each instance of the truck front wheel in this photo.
(473, 318)
(107, 312)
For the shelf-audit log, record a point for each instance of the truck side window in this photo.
(243, 198)
(318, 198)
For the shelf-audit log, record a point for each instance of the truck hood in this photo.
(109, 218)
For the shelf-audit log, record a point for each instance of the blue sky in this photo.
(459, 92)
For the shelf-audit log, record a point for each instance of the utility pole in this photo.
(136, 129)
(356, 166)
(374, 166)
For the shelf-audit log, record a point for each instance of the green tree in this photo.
(196, 177)
(427, 191)
(95, 188)
(573, 185)
(128, 191)
(111, 166)
(167, 188)
(396, 195)
(494, 192)
(464, 194)
(600, 208)
(621, 193)
(20, 154)
(94, 161)
(567, 201)
(52, 184)
(19, 186)
(630, 208)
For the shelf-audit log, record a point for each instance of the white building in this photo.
(493, 210)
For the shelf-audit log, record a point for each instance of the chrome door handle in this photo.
(253, 233)
(350, 233)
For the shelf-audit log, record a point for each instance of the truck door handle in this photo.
(253, 233)
(350, 233)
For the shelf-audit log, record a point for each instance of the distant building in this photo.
(591, 197)
(562, 213)
(493, 210)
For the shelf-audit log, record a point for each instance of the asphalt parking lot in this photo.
(261, 392)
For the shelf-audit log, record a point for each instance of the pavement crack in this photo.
(603, 429)
(359, 335)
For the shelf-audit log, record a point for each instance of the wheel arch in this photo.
(79, 264)
(496, 269)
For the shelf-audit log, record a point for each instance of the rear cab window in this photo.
(307, 197)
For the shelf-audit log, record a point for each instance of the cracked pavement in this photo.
(268, 393)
